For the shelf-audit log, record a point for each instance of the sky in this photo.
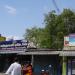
(18, 15)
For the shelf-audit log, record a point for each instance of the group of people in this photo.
(16, 69)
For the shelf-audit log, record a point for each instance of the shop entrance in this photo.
(71, 66)
(49, 64)
(7, 59)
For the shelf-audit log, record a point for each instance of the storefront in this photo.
(71, 66)
(50, 62)
(45, 61)
(7, 58)
(68, 66)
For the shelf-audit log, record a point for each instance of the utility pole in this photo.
(55, 4)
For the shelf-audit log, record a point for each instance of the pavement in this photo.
(2, 74)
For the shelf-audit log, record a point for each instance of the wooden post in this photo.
(32, 61)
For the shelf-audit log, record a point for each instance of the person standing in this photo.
(15, 68)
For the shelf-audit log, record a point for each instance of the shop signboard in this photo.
(69, 40)
(72, 40)
(66, 41)
(13, 45)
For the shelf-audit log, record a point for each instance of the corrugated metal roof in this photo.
(10, 52)
(67, 53)
(40, 53)
(60, 53)
(30, 51)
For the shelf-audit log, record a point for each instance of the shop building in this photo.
(53, 62)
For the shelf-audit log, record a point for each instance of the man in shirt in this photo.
(14, 69)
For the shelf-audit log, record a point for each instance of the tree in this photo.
(34, 35)
(56, 27)
(69, 20)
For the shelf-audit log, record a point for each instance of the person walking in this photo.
(15, 68)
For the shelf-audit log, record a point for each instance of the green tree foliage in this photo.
(56, 27)
(34, 35)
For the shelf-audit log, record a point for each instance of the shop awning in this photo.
(67, 53)
(10, 52)
(40, 53)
